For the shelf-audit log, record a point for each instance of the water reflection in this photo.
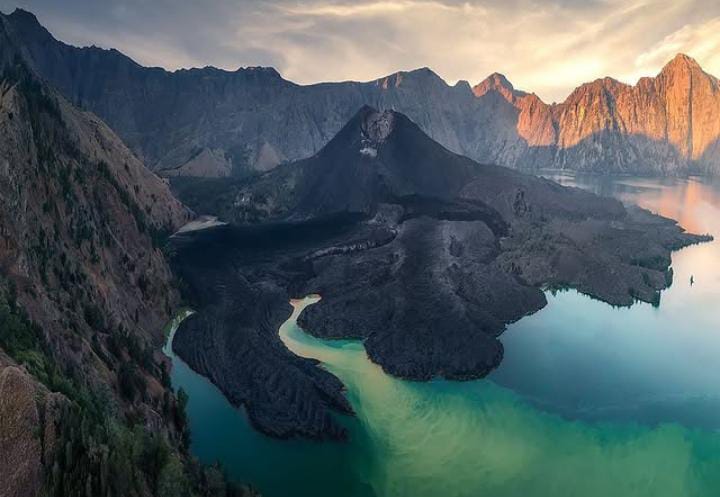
(689, 201)
(586, 360)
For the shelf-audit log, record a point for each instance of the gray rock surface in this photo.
(29, 422)
(213, 123)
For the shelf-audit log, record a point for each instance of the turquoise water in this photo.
(590, 400)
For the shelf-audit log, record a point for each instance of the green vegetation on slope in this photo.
(120, 430)
(101, 452)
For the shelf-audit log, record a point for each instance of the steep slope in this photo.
(84, 293)
(423, 254)
(663, 124)
(357, 170)
(81, 215)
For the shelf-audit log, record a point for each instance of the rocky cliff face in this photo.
(665, 124)
(80, 215)
(84, 293)
(213, 123)
(29, 419)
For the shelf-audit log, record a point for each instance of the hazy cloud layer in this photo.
(546, 46)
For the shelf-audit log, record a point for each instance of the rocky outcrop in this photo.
(607, 126)
(423, 254)
(29, 428)
(213, 123)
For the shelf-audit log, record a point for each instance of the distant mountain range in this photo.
(210, 122)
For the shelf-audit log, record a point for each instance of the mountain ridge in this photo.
(215, 123)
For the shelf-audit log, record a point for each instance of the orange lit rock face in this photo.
(672, 120)
(535, 123)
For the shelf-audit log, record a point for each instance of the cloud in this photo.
(357, 9)
(546, 46)
(701, 41)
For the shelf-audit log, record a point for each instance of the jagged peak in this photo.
(609, 82)
(262, 71)
(20, 13)
(266, 74)
(423, 75)
(497, 82)
(597, 87)
(27, 21)
(25, 28)
(681, 62)
(265, 70)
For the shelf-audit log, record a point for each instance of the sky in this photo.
(545, 46)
